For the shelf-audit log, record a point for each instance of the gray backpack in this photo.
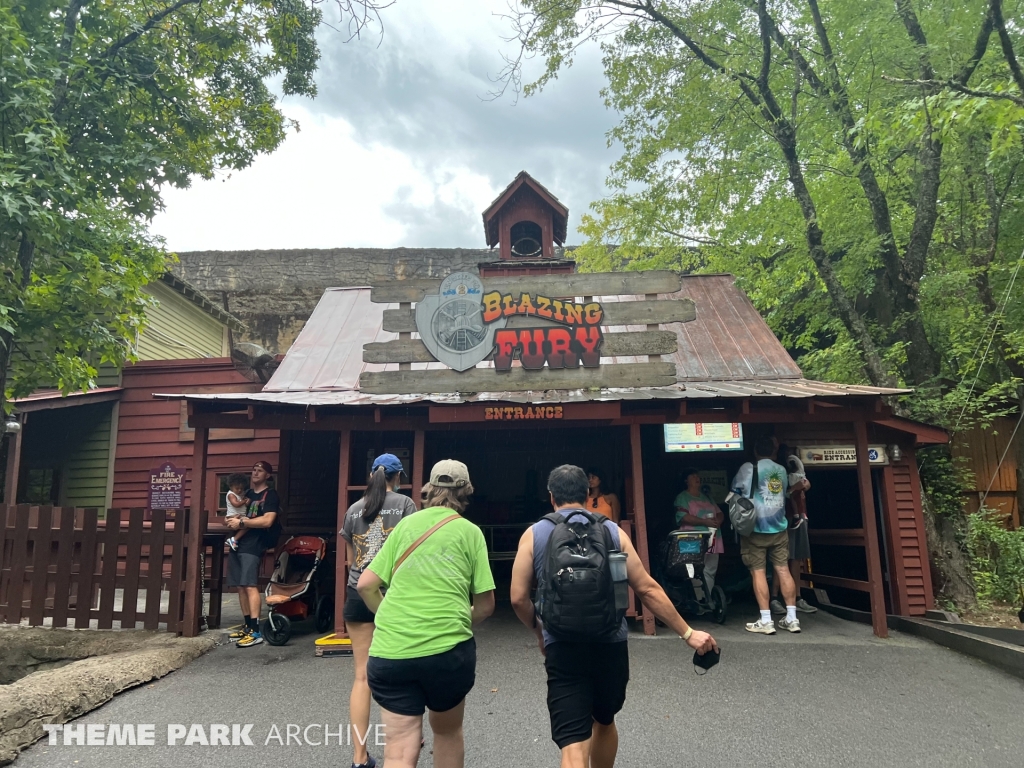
(742, 513)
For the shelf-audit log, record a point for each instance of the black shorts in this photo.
(799, 543)
(243, 569)
(356, 611)
(437, 683)
(586, 682)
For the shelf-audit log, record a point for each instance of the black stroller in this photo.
(682, 573)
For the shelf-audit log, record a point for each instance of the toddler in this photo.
(234, 500)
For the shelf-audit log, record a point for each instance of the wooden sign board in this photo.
(166, 487)
(537, 340)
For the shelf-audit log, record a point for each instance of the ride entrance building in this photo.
(522, 364)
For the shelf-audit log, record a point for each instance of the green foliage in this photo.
(102, 103)
(702, 184)
(997, 557)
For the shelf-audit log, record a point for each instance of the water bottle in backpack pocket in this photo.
(577, 594)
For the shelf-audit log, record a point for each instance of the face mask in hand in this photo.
(705, 662)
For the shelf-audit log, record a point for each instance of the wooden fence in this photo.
(981, 449)
(65, 564)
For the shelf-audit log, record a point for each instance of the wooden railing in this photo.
(65, 564)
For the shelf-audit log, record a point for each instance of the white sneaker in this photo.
(762, 627)
(804, 607)
(777, 608)
(793, 625)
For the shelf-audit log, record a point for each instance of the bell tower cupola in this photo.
(525, 223)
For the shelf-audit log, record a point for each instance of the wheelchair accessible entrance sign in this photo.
(840, 455)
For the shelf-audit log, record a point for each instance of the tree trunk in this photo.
(951, 571)
(1018, 456)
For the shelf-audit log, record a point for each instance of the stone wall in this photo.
(274, 292)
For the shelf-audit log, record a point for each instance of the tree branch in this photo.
(996, 10)
(67, 38)
(954, 86)
(151, 22)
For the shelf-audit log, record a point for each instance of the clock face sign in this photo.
(452, 326)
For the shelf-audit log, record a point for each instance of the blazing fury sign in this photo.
(462, 326)
(578, 342)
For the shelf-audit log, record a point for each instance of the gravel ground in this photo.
(831, 696)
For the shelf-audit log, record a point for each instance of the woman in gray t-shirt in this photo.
(367, 525)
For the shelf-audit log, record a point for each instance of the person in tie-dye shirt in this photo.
(769, 538)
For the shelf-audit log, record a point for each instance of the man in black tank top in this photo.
(587, 679)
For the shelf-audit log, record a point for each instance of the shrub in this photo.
(997, 557)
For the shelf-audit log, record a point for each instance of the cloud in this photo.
(402, 145)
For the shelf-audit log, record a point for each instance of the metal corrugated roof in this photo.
(728, 351)
(729, 340)
(794, 388)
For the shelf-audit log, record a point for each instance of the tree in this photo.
(819, 154)
(102, 103)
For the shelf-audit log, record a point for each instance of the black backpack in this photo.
(577, 597)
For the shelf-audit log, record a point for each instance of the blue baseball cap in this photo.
(390, 462)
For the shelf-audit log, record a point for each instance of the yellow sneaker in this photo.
(238, 634)
(251, 638)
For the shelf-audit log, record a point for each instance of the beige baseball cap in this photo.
(449, 474)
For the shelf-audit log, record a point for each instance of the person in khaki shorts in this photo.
(765, 483)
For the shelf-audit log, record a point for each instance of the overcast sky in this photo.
(402, 147)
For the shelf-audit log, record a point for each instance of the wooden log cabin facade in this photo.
(594, 373)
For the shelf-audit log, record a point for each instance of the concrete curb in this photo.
(975, 642)
(60, 695)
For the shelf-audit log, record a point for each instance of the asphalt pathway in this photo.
(831, 696)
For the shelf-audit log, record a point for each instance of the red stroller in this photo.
(296, 591)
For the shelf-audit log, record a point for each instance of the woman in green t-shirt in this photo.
(423, 656)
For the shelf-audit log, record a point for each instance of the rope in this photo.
(994, 322)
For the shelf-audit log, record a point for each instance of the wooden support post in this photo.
(867, 505)
(196, 530)
(284, 474)
(640, 514)
(341, 556)
(13, 468)
(418, 448)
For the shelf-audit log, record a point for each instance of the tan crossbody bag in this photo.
(420, 540)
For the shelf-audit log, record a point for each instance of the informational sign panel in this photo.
(715, 483)
(166, 487)
(839, 455)
(680, 438)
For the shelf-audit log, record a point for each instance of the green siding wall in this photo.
(86, 470)
(178, 329)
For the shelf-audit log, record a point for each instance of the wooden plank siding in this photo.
(980, 448)
(908, 555)
(313, 482)
(179, 329)
(149, 428)
(85, 473)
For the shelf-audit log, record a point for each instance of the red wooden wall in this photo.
(151, 430)
(910, 573)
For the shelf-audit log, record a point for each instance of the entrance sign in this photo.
(840, 455)
(681, 438)
(166, 487)
(519, 413)
(451, 323)
(526, 413)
